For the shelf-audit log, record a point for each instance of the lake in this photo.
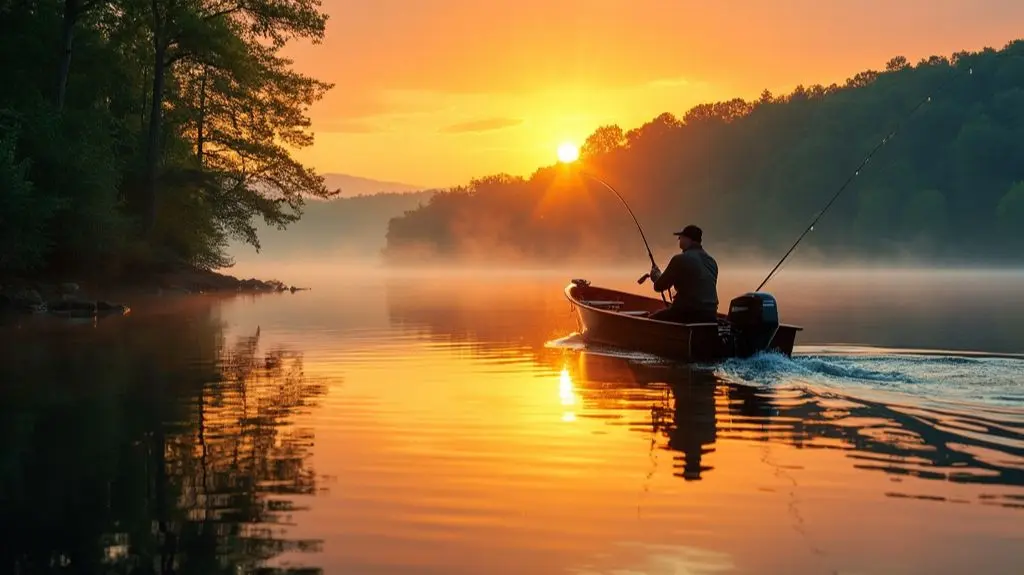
(452, 423)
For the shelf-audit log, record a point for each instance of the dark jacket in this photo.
(694, 275)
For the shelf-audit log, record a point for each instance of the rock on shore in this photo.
(199, 281)
(63, 300)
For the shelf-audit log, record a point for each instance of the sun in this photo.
(568, 152)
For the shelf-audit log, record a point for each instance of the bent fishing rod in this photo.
(885, 140)
(640, 229)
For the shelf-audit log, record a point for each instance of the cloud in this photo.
(672, 82)
(483, 125)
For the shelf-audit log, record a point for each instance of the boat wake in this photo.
(932, 374)
(935, 375)
(574, 342)
(926, 414)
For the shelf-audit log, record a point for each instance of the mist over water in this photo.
(748, 263)
(965, 309)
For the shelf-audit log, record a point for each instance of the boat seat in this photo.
(636, 312)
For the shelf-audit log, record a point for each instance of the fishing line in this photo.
(635, 221)
(621, 199)
(889, 136)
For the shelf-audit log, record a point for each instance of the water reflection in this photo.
(695, 408)
(699, 407)
(153, 446)
(929, 443)
(461, 443)
(681, 400)
(503, 317)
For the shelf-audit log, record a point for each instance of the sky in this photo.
(436, 92)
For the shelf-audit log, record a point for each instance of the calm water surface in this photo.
(456, 425)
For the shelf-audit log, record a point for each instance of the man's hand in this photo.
(655, 273)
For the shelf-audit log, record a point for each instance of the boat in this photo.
(619, 319)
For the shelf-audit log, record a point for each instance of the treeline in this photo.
(754, 174)
(137, 135)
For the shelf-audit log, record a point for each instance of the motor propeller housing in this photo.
(754, 318)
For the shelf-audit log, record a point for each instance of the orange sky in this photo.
(434, 92)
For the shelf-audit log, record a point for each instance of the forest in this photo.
(947, 186)
(140, 136)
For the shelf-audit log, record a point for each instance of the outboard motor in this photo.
(755, 319)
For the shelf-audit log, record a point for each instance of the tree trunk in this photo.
(143, 97)
(71, 13)
(153, 147)
(200, 135)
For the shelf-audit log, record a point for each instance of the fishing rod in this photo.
(617, 195)
(885, 140)
(640, 229)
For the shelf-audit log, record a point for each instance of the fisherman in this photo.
(694, 275)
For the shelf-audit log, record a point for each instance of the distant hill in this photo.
(753, 174)
(351, 186)
(342, 227)
(353, 224)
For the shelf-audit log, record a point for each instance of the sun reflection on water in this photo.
(567, 394)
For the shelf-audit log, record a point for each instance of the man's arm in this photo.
(668, 277)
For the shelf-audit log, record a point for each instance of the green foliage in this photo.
(754, 174)
(188, 227)
(926, 214)
(150, 133)
(74, 162)
(1010, 214)
(23, 218)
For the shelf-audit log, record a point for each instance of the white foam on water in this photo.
(934, 374)
(997, 380)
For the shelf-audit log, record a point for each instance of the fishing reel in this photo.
(646, 277)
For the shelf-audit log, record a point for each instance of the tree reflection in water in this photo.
(152, 447)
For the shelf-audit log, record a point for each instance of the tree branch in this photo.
(223, 12)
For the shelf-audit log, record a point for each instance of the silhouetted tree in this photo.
(603, 141)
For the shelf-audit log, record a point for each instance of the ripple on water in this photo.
(449, 435)
(948, 418)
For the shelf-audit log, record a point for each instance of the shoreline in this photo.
(106, 296)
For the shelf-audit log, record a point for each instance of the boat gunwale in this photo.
(571, 286)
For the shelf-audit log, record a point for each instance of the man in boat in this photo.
(694, 275)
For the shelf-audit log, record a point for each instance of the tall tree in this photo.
(213, 33)
(240, 112)
(187, 97)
